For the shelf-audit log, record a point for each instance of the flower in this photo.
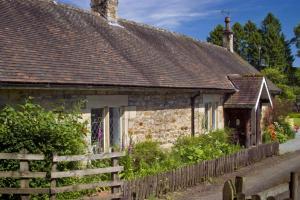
(272, 132)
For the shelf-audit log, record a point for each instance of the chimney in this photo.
(228, 36)
(106, 8)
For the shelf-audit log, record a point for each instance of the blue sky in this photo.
(197, 18)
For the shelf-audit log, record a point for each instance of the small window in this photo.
(97, 124)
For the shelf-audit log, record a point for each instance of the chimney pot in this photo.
(106, 8)
(228, 36)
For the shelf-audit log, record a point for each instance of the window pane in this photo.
(97, 131)
(114, 127)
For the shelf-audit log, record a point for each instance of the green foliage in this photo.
(266, 48)
(282, 138)
(278, 131)
(216, 36)
(297, 38)
(239, 40)
(253, 44)
(294, 115)
(285, 129)
(148, 158)
(281, 80)
(38, 130)
(31, 127)
(204, 147)
(275, 75)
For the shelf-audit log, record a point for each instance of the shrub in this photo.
(278, 131)
(31, 127)
(147, 158)
(204, 147)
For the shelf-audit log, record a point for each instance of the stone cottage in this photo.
(137, 81)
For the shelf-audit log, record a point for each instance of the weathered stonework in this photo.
(162, 117)
(106, 8)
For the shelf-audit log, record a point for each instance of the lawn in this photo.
(295, 118)
(296, 121)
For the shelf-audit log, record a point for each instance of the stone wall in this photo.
(165, 118)
(162, 117)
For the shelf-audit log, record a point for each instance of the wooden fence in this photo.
(24, 174)
(159, 185)
(235, 191)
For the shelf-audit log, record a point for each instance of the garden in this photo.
(29, 126)
(280, 123)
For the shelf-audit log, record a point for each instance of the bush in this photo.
(147, 158)
(278, 131)
(204, 147)
(31, 127)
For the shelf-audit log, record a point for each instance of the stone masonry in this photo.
(161, 117)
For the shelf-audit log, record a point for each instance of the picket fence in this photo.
(188, 176)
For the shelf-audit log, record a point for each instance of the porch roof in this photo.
(249, 90)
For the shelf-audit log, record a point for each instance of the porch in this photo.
(243, 110)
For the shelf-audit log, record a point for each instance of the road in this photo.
(258, 177)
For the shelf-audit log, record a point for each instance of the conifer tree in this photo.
(239, 42)
(297, 38)
(254, 42)
(216, 36)
(274, 51)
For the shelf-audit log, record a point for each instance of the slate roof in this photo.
(248, 89)
(45, 42)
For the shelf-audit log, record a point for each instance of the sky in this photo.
(196, 18)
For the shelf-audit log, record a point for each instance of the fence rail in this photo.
(142, 188)
(192, 175)
(24, 174)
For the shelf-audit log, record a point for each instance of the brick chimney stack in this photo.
(106, 8)
(228, 36)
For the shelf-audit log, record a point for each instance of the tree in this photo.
(274, 50)
(254, 43)
(216, 36)
(297, 38)
(281, 80)
(239, 43)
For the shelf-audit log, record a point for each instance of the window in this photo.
(97, 126)
(105, 129)
(211, 116)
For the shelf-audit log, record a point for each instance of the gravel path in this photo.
(260, 176)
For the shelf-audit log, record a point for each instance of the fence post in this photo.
(271, 198)
(115, 175)
(228, 191)
(24, 182)
(241, 196)
(294, 185)
(239, 184)
(256, 197)
(53, 180)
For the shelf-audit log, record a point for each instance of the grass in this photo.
(294, 115)
(297, 121)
